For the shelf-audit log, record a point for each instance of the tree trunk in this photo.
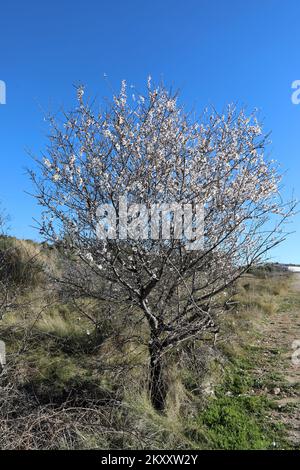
(157, 385)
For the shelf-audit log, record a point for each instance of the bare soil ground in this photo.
(279, 334)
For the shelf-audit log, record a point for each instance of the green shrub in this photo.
(237, 423)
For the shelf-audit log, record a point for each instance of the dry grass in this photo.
(70, 386)
(264, 295)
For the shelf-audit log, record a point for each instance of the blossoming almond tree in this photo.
(150, 151)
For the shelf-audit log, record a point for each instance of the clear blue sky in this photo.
(215, 51)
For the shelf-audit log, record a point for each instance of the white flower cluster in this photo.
(152, 151)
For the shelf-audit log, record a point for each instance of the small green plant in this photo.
(238, 423)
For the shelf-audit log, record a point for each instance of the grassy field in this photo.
(68, 385)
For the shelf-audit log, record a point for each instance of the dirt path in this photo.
(279, 336)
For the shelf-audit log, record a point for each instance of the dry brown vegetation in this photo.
(73, 383)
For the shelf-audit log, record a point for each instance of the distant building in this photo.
(294, 269)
